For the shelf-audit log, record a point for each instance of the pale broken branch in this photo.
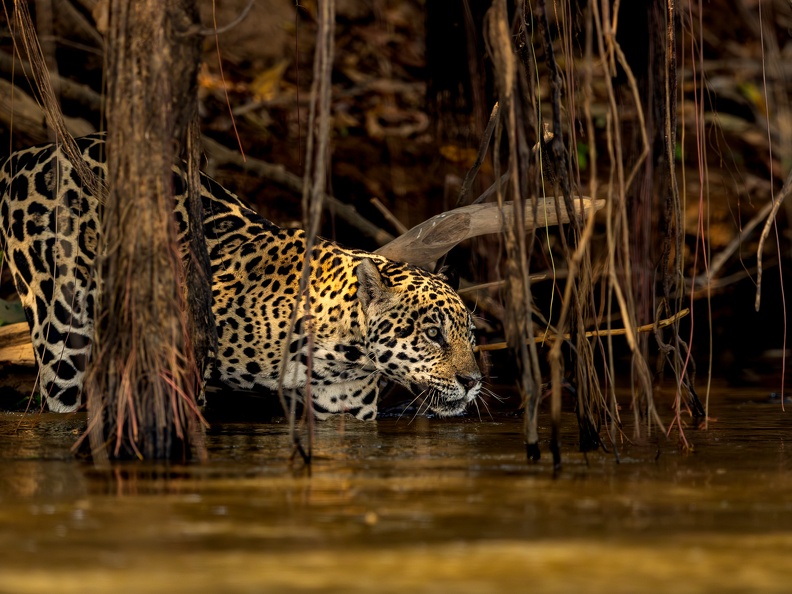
(425, 243)
(422, 244)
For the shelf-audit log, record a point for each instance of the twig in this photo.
(765, 232)
(494, 188)
(494, 285)
(716, 285)
(317, 154)
(499, 346)
(482, 152)
(723, 256)
(389, 216)
(216, 32)
(207, 32)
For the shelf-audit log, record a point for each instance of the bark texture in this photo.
(144, 378)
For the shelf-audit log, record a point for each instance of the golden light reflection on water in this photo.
(427, 506)
(707, 565)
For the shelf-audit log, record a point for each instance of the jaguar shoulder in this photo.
(370, 318)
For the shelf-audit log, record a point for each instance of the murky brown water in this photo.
(427, 506)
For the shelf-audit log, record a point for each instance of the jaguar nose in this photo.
(468, 382)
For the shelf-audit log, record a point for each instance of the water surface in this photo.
(426, 505)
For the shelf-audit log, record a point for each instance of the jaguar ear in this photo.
(370, 286)
(450, 275)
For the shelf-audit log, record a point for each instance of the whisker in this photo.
(424, 406)
(489, 412)
(491, 394)
(478, 410)
(371, 374)
(409, 405)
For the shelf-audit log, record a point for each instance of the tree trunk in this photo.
(144, 379)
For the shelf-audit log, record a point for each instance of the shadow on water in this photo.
(426, 505)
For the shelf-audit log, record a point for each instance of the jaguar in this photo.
(368, 318)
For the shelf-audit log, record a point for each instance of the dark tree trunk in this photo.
(144, 380)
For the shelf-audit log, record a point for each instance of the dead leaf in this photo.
(211, 82)
(266, 85)
(460, 155)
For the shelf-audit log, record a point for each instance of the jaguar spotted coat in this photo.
(369, 317)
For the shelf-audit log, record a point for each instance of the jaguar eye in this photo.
(433, 333)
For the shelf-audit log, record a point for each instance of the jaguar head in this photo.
(419, 333)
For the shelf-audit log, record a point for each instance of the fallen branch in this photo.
(428, 241)
(20, 112)
(36, 131)
(15, 345)
(279, 175)
(67, 89)
(499, 346)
